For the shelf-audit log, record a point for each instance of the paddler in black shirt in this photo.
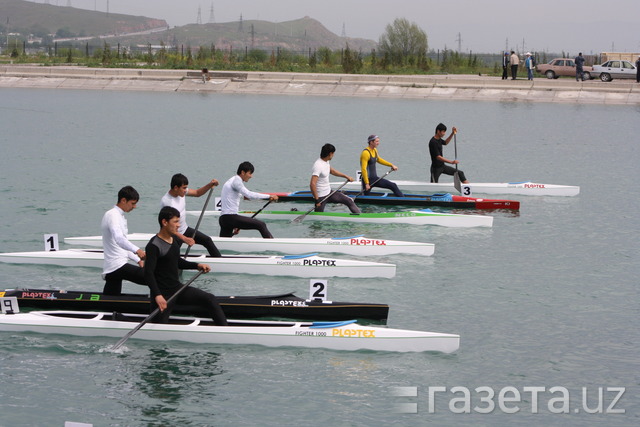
(161, 272)
(438, 166)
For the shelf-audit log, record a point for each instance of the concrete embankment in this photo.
(461, 87)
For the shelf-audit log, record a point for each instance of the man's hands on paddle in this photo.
(205, 268)
(162, 303)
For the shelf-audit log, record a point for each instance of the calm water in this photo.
(546, 298)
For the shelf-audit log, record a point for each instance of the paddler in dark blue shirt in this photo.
(161, 271)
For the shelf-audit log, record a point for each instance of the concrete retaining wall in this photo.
(464, 87)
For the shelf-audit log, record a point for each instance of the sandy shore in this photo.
(463, 87)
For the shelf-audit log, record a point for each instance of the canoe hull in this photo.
(241, 307)
(525, 188)
(344, 337)
(299, 266)
(354, 245)
(415, 217)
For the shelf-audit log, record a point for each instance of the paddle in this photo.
(204, 208)
(237, 230)
(456, 178)
(260, 210)
(374, 183)
(301, 217)
(153, 314)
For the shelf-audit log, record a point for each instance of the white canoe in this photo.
(346, 335)
(308, 265)
(525, 188)
(354, 245)
(415, 217)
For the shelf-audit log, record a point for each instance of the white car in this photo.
(615, 69)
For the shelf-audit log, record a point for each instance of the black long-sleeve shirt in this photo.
(162, 265)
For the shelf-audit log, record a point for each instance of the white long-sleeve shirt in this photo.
(180, 203)
(118, 250)
(232, 193)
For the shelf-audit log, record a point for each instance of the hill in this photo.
(297, 35)
(44, 19)
(67, 22)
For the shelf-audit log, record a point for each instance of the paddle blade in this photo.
(456, 182)
(299, 219)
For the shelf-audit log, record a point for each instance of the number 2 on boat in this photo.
(318, 289)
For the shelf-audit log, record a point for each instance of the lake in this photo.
(545, 301)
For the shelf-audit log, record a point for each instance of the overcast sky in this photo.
(481, 25)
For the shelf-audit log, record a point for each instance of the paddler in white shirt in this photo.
(118, 250)
(232, 192)
(320, 186)
(176, 198)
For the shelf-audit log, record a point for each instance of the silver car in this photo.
(615, 69)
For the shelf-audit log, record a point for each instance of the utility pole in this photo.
(344, 30)
(199, 18)
(212, 17)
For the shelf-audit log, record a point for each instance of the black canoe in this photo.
(287, 306)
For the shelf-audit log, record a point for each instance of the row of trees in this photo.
(403, 49)
(322, 60)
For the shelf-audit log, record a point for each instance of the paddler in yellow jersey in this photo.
(368, 160)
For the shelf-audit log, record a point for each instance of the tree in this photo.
(402, 41)
(324, 54)
(351, 61)
(106, 54)
(64, 33)
(313, 60)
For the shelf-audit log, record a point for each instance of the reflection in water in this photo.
(173, 375)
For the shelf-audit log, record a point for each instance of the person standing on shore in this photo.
(175, 197)
(232, 192)
(529, 65)
(505, 66)
(368, 160)
(162, 268)
(320, 186)
(638, 70)
(438, 166)
(579, 60)
(118, 250)
(514, 61)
